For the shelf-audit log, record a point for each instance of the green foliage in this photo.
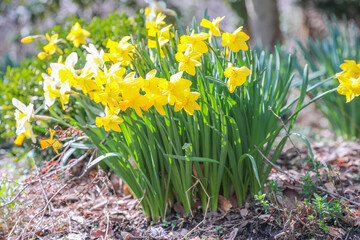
(261, 199)
(24, 82)
(319, 210)
(326, 210)
(324, 58)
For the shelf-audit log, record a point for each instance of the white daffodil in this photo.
(23, 114)
(94, 60)
(64, 74)
(49, 85)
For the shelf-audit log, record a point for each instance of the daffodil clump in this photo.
(171, 112)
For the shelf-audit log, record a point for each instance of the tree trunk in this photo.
(264, 22)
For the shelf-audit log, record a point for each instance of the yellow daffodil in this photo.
(351, 68)
(77, 35)
(188, 61)
(189, 103)
(237, 76)
(236, 41)
(51, 142)
(21, 137)
(158, 101)
(176, 88)
(350, 87)
(131, 98)
(110, 121)
(23, 114)
(196, 42)
(109, 95)
(150, 83)
(212, 26)
(120, 51)
(349, 80)
(154, 27)
(51, 47)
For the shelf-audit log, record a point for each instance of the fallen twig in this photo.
(107, 224)
(13, 228)
(16, 196)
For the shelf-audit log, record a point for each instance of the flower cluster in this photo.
(191, 47)
(117, 91)
(108, 77)
(349, 80)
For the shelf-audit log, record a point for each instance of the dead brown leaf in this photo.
(244, 212)
(224, 204)
(179, 208)
(337, 233)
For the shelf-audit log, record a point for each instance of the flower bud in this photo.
(42, 55)
(29, 39)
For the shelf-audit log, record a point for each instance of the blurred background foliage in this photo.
(339, 8)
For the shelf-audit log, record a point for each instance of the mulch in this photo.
(96, 205)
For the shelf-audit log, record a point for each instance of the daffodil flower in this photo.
(23, 114)
(158, 101)
(51, 47)
(110, 121)
(131, 98)
(21, 137)
(188, 61)
(49, 85)
(163, 37)
(120, 51)
(63, 78)
(176, 88)
(157, 6)
(154, 27)
(189, 103)
(237, 76)
(349, 80)
(150, 83)
(51, 142)
(212, 26)
(196, 42)
(77, 35)
(236, 41)
(94, 60)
